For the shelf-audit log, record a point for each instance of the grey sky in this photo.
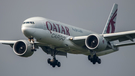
(87, 14)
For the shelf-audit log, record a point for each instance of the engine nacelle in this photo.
(96, 42)
(23, 48)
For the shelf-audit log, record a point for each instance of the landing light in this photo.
(71, 38)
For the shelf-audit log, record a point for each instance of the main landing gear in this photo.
(53, 62)
(94, 58)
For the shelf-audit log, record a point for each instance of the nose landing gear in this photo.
(32, 42)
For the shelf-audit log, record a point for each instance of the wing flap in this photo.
(124, 44)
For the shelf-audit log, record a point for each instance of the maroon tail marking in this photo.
(111, 23)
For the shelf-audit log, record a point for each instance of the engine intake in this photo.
(23, 48)
(95, 42)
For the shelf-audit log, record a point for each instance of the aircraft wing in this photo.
(121, 36)
(11, 43)
(8, 42)
(79, 40)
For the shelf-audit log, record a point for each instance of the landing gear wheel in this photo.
(94, 59)
(89, 57)
(48, 61)
(53, 65)
(99, 61)
(58, 64)
(94, 62)
(53, 62)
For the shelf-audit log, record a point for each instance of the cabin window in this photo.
(28, 22)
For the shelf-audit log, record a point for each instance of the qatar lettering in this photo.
(57, 28)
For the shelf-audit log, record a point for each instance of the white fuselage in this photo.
(56, 35)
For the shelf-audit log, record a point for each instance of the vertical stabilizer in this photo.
(111, 21)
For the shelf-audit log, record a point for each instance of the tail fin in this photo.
(111, 22)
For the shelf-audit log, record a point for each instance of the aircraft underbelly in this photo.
(58, 41)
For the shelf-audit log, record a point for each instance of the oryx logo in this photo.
(111, 24)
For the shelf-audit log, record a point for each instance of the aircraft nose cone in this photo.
(28, 32)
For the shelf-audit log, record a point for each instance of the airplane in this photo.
(57, 38)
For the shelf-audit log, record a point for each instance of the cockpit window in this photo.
(28, 22)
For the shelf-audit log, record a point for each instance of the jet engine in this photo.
(96, 42)
(23, 48)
